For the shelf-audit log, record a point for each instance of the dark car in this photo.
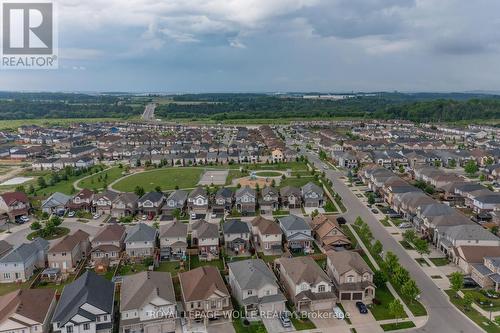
(374, 211)
(362, 307)
(341, 220)
(469, 282)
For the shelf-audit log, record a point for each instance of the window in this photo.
(6, 275)
(105, 317)
(86, 327)
(249, 292)
(69, 329)
(63, 254)
(350, 278)
(321, 289)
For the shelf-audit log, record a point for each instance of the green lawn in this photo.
(172, 267)
(268, 259)
(294, 166)
(166, 178)
(440, 261)
(253, 327)
(483, 322)
(298, 182)
(15, 123)
(6, 288)
(381, 311)
(406, 245)
(131, 269)
(58, 233)
(268, 173)
(195, 262)
(302, 324)
(397, 326)
(99, 180)
(483, 301)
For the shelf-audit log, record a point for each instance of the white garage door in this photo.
(322, 305)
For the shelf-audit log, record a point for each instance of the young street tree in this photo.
(410, 290)
(467, 301)
(456, 282)
(421, 246)
(396, 309)
(392, 262)
(377, 247)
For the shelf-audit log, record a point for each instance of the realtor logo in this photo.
(28, 35)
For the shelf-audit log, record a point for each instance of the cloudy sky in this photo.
(272, 45)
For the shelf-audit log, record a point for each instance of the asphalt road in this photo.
(149, 112)
(443, 316)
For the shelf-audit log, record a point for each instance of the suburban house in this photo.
(351, 275)
(327, 232)
(245, 200)
(125, 204)
(487, 273)
(269, 201)
(223, 201)
(15, 204)
(297, 233)
(205, 236)
(312, 195)
(173, 240)
(81, 201)
(150, 204)
(67, 253)
(140, 241)
(467, 255)
(20, 263)
(27, 310)
(204, 294)
(85, 305)
(266, 236)
(255, 287)
(291, 197)
(197, 201)
(107, 246)
(56, 203)
(176, 200)
(102, 202)
(471, 234)
(236, 237)
(147, 303)
(306, 284)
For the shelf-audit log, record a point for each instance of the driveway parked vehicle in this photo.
(362, 307)
(285, 321)
(405, 225)
(337, 311)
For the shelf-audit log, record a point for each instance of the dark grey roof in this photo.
(151, 196)
(141, 233)
(235, 227)
(178, 195)
(311, 187)
(224, 193)
(20, 253)
(293, 222)
(89, 288)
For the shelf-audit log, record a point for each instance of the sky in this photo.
(271, 46)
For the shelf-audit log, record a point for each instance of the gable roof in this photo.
(235, 227)
(69, 242)
(252, 273)
(89, 288)
(178, 195)
(33, 304)
(205, 229)
(11, 197)
(111, 232)
(200, 283)
(293, 222)
(140, 233)
(174, 229)
(138, 288)
(4, 247)
(344, 261)
(20, 253)
(151, 196)
(303, 269)
(56, 199)
(266, 226)
(311, 187)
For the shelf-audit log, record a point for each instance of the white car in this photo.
(144, 217)
(193, 216)
(405, 225)
(96, 216)
(213, 215)
(71, 214)
(24, 219)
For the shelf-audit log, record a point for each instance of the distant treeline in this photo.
(418, 107)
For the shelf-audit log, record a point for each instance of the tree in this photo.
(410, 290)
(158, 189)
(396, 309)
(139, 191)
(35, 225)
(456, 281)
(379, 278)
(156, 225)
(176, 213)
(314, 213)
(437, 163)
(371, 198)
(377, 247)
(421, 246)
(41, 182)
(359, 221)
(401, 275)
(452, 163)
(409, 235)
(467, 301)
(494, 230)
(489, 160)
(471, 167)
(20, 188)
(392, 262)
(401, 168)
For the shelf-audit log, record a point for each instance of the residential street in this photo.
(443, 316)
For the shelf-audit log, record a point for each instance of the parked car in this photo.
(405, 225)
(144, 217)
(469, 282)
(71, 214)
(96, 216)
(361, 307)
(22, 219)
(337, 311)
(374, 211)
(193, 216)
(285, 321)
(491, 294)
(213, 215)
(341, 220)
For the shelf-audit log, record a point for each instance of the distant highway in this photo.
(149, 112)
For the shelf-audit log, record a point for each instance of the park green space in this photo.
(166, 178)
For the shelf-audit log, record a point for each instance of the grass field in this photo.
(268, 173)
(166, 178)
(100, 180)
(298, 182)
(14, 124)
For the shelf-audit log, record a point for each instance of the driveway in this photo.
(362, 321)
(325, 321)
(217, 326)
(274, 325)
